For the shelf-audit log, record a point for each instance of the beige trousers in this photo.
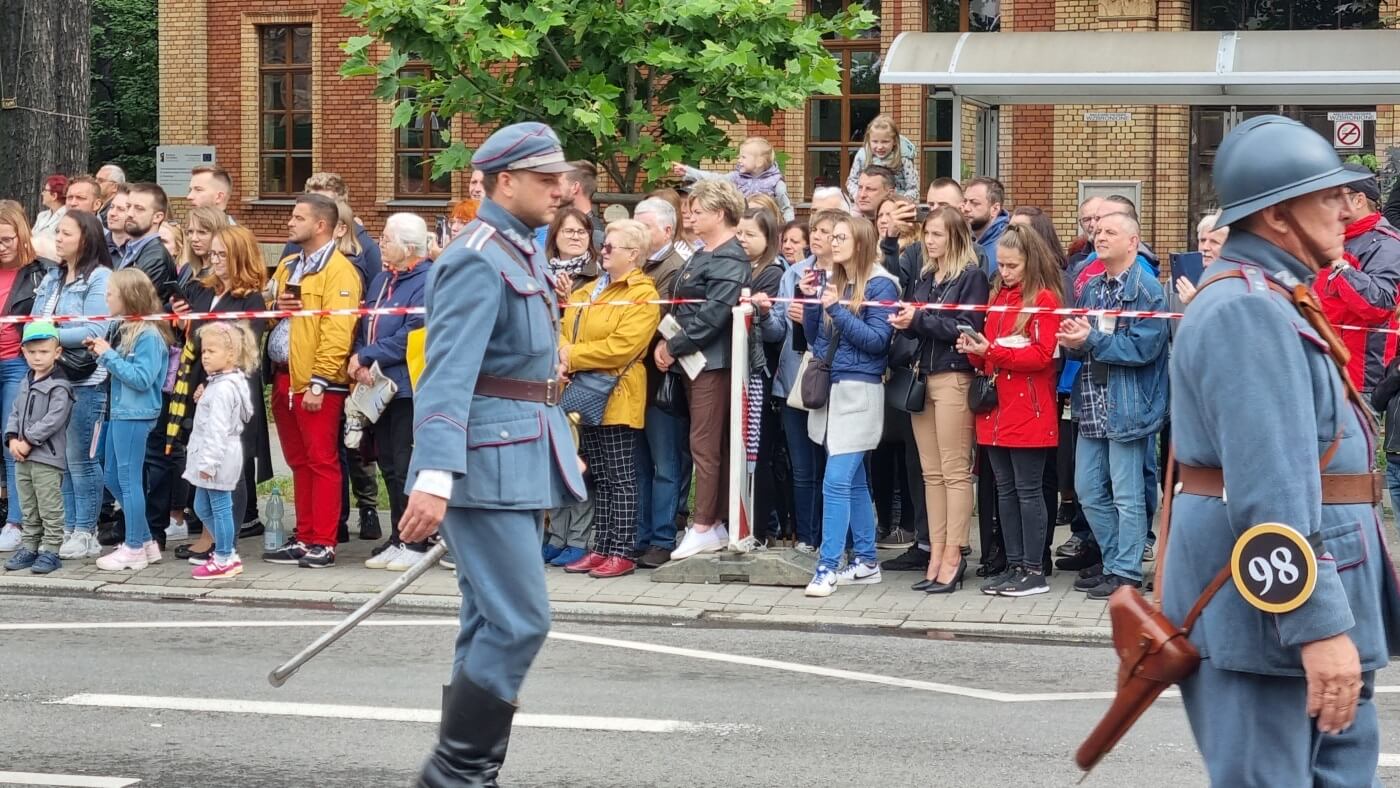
(944, 434)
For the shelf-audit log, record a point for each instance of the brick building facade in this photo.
(258, 79)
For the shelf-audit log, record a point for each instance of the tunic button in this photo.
(505, 434)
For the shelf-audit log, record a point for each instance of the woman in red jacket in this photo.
(1021, 433)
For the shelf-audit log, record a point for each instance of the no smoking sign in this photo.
(1347, 134)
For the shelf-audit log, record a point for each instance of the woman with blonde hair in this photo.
(709, 285)
(611, 340)
(943, 430)
(201, 226)
(851, 332)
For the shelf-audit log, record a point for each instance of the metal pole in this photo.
(279, 676)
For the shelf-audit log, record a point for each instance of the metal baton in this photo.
(279, 676)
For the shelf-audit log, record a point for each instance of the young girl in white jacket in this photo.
(214, 455)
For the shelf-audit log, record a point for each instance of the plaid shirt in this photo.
(1092, 414)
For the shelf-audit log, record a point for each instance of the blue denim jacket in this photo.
(85, 296)
(137, 377)
(1136, 353)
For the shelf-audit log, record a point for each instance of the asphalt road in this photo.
(726, 717)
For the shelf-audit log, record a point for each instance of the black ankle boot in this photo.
(472, 738)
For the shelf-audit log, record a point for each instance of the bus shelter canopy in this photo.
(1316, 67)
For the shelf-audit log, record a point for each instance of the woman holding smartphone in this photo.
(1022, 431)
(943, 429)
(852, 421)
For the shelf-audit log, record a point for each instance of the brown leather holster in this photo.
(1153, 652)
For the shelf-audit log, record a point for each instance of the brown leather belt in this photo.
(1337, 488)
(543, 391)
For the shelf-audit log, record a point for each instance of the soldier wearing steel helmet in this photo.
(492, 449)
(1266, 431)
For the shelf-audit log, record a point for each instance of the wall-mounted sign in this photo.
(1347, 134)
(1357, 116)
(173, 165)
(1108, 117)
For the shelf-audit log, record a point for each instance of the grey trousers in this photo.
(505, 603)
(571, 526)
(1254, 732)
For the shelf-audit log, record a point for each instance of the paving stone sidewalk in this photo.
(1060, 614)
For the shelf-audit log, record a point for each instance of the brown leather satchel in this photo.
(1153, 652)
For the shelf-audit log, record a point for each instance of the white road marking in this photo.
(383, 713)
(689, 653)
(1389, 759)
(70, 780)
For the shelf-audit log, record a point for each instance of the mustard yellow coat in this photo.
(606, 338)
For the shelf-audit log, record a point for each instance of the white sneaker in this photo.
(858, 574)
(803, 547)
(446, 562)
(823, 583)
(406, 560)
(10, 538)
(153, 555)
(177, 531)
(92, 548)
(123, 558)
(71, 547)
(695, 543)
(383, 560)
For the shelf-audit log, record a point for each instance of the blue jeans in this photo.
(12, 372)
(82, 484)
(806, 459)
(662, 467)
(125, 470)
(215, 509)
(1392, 481)
(1108, 478)
(848, 510)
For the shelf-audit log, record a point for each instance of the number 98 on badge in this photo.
(1274, 568)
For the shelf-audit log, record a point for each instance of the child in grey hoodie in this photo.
(214, 455)
(36, 432)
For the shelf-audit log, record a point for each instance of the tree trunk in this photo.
(43, 94)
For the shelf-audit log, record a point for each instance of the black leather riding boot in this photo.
(472, 738)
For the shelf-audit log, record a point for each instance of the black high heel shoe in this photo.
(950, 586)
(923, 585)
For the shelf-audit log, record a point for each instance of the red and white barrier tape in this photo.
(278, 314)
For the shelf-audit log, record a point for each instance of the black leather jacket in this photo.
(1386, 400)
(156, 263)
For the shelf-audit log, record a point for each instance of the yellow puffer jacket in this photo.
(320, 346)
(608, 338)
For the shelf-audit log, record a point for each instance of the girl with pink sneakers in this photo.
(214, 455)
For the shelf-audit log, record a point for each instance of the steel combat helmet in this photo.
(1270, 159)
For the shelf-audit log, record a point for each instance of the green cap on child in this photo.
(40, 329)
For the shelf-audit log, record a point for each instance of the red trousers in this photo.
(310, 444)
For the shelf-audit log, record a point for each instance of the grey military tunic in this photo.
(1254, 392)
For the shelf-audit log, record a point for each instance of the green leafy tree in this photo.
(125, 91)
(632, 85)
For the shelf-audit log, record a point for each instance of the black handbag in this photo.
(77, 364)
(906, 389)
(816, 379)
(670, 396)
(982, 394)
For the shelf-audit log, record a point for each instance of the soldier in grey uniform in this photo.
(492, 449)
(1266, 432)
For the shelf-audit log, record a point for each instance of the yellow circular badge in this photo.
(1274, 568)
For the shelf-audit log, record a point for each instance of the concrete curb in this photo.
(571, 611)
